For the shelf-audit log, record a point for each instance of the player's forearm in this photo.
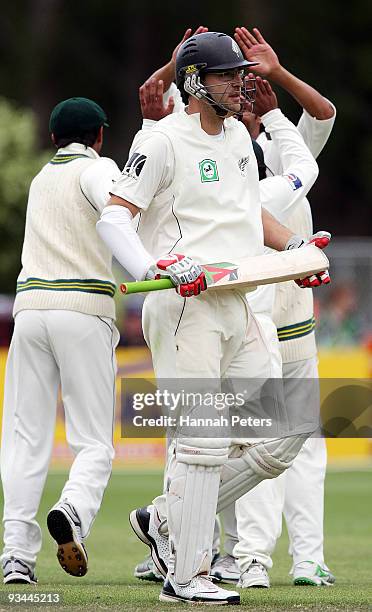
(295, 157)
(282, 193)
(276, 235)
(116, 230)
(166, 74)
(309, 98)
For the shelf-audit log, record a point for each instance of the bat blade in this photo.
(266, 269)
(250, 272)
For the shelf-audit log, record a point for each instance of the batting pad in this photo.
(191, 500)
(266, 459)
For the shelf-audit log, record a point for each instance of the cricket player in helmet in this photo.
(213, 53)
(194, 197)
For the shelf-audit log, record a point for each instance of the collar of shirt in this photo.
(147, 124)
(228, 123)
(76, 148)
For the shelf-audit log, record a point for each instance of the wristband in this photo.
(295, 242)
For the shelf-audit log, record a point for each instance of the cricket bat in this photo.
(249, 272)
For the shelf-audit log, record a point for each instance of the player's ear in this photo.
(99, 140)
(53, 139)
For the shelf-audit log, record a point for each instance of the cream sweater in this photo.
(65, 265)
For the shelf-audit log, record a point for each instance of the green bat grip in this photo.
(147, 285)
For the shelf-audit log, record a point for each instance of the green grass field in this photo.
(114, 550)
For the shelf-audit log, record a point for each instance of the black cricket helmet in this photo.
(206, 53)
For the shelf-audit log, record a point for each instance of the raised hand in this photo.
(266, 99)
(255, 48)
(167, 73)
(151, 100)
(187, 34)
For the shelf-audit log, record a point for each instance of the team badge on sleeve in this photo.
(294, 181)
(134, 165)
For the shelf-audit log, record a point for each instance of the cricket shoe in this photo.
(309, 573)
(255, 577)
(65, 527)
(16, 571)
(225, 569)
(146, 570)
(200, 590)
(146, 525)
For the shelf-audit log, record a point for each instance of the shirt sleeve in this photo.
(97, 180)
(280, 194)
(278, 197)
(316, 132)
(149, 170)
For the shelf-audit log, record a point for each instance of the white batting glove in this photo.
(186, 275)
(321, 240)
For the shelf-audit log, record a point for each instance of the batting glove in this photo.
(321, 240)
(186, 275)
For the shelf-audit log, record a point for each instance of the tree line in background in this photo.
(55, 49)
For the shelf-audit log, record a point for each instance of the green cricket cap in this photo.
(76, 116)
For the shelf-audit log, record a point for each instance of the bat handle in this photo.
(144, 286)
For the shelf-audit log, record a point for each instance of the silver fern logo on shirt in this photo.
(243, 163)
(134, 165)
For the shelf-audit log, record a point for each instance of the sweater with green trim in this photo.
(293, 312)
(65, 265)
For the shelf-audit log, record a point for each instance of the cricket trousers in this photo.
(75, 352)
(298, 493)
(215, 338)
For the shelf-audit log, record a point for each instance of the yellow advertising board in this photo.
(149, 452)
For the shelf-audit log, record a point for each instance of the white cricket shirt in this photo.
(293, 307)
(198, 195)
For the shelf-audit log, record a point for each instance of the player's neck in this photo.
(209, 121)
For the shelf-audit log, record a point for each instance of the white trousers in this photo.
(52, 349)
(214, 335)
(298, 493)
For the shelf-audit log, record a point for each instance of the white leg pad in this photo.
(191, 501)
(203, 451)
(264, 460)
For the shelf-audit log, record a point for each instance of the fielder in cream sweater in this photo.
(299, 493)
(64, 336)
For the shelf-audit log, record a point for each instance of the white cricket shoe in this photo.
(146, 525)
(146, 570)
(200, 590)
(65, 527)
(309, 573)
(255, 576)
(225, 569)
(16, 571)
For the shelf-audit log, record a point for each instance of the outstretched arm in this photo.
(280, 194)
(167, 72)
(276, 235)
(256, 48)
